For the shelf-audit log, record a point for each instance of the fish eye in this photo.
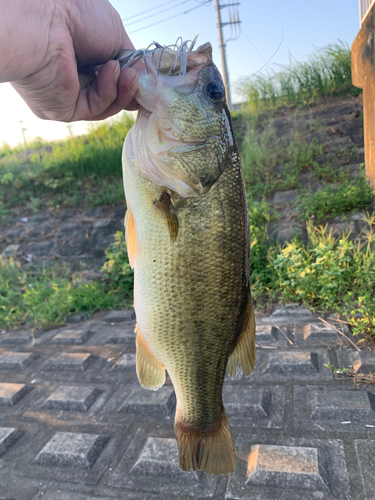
(215, 91)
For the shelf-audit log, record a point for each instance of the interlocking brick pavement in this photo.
(76, 425)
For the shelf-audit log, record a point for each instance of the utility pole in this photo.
(70, 128)
(222, 41)
(23, 130)
(223, 53)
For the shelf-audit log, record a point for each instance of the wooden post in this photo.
(363, 76)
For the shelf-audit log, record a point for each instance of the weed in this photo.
(260, 215)
(358, 378)
(117, 269)
(318, 275)
(326, 72)
(34, 204)
(47, 296)
(272, 164)
(336, 371)
(329, 274)
(361, 378)
(350, 195)
(110, 192)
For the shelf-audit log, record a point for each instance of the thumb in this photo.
(110, 92)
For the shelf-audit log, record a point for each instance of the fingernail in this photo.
(116, 71)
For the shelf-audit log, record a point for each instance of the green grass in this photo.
(45, 297)
(274, 162)
(326, 72)
(270, 164)
(116, 269)
(8, 151)
(79, 170)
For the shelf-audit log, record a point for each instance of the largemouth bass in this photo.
(187, 234)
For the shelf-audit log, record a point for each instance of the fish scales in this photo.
(191, 292)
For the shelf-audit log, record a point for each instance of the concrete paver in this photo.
(75, 423)
(72, 398)
(10, 394)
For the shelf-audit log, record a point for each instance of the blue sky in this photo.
(306, 25)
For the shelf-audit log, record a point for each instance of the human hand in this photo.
(48, 39)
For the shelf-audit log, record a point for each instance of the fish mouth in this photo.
(167, 60)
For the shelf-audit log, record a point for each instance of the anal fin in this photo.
(243, 355)
(131, 242)
(151, 374)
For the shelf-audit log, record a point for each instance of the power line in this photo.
(252, 44)
(172, 17)
(278, 47)
(272, 56)
(157, 13)
(201, 2)
(234, 21)
(149, 10)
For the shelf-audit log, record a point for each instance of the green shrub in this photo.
(330, 274)
(261, 278)
(350, 195)
(117, 269)
(319, 274)
(361, 316)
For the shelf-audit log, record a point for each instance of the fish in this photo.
(187, 235)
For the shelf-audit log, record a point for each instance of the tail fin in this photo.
(211, 451)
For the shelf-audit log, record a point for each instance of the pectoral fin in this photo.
(243, 356)
(165, 206)
(130, 237)
(151, 374)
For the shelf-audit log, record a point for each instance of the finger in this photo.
(94, 100)
(126, 89)
(111, 92)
